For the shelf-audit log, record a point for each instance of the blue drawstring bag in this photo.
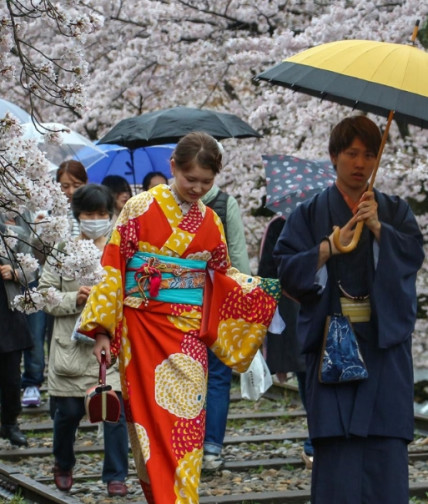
(341, 359)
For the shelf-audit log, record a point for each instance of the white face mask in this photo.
(93, 229)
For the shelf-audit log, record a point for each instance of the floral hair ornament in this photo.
(220, 146)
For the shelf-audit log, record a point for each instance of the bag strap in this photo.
(335, 291)
(103, 369)
(219, 205)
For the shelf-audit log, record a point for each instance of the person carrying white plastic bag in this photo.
(256, 380)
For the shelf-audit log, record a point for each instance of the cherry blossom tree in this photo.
(45, 76)
(107, 60)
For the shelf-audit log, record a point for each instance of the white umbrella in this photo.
(72, 143)
(18, 112)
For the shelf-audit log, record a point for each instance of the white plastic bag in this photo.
(256, 380)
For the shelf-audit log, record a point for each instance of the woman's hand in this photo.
(82, 295)
(7, 272)
(102, 343)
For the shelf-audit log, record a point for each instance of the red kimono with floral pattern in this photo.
(162, 345)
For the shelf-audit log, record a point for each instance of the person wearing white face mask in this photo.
(95, 228)
(72, 366)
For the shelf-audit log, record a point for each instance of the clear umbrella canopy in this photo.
(18, 112)
(71, 146)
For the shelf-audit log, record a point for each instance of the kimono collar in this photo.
(352, 204)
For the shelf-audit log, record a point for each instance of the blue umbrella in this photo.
(132, 164)
(18, 112)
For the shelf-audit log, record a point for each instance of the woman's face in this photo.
(95, 215)
(121, 199)
(192, 184)
(156, 180)
(69, 184)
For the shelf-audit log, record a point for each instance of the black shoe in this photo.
(14, 434)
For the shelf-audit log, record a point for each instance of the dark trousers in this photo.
(34, 358)
(69, 411)
(371, 470)
(301, 382)
(10, 386)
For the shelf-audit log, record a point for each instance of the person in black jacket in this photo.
(16, 335)
(283, 353)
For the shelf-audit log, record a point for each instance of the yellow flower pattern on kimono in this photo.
(237, 342)
(182, 398)
(189, 468)
(140, 444)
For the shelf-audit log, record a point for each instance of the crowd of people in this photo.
(178, 287)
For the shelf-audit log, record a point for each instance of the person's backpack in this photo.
(219, 205)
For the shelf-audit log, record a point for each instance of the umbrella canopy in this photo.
(133, 165)
(367, 75)
(169, 125)
(18, 112)
(291, 180)
(379, 77)
(72, 144)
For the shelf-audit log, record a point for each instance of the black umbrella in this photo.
(169, 125)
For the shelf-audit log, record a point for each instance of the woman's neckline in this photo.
(185, 206)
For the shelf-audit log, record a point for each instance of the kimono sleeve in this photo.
(236, 313)
(394, 289)
(296, 254)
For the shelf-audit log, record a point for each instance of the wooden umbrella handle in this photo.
(353, 243)
(359, 227)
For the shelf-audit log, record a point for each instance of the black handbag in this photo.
(341, 360)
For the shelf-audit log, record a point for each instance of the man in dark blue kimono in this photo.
(360, 430)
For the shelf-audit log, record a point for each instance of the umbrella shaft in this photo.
(382, 145)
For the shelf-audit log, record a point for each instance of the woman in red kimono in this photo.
(169, 293)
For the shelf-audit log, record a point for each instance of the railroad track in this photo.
(262, 445)
(15, 485)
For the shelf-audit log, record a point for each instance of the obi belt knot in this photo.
(164, 278)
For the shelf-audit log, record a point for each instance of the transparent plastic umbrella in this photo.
(18, 112)
(72, 146)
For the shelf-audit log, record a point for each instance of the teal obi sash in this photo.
(166, 279)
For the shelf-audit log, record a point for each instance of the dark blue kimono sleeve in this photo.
(296, 255)
(394, 288)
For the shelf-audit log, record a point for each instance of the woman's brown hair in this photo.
(74, 168)
(198, 148)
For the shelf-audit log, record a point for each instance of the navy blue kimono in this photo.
(383, 404)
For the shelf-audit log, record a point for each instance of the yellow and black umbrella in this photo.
(379, 77)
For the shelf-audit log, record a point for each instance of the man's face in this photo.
(354, 166)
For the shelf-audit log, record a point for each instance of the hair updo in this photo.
(198, 148)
